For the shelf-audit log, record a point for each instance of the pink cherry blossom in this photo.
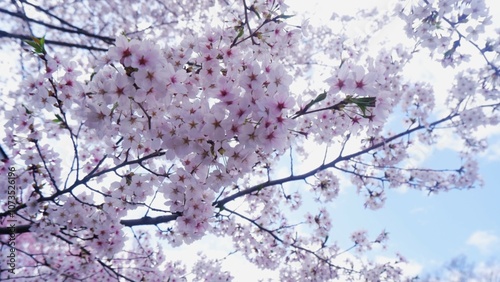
(341, 81)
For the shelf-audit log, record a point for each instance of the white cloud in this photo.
(485, 241)
(493, 152)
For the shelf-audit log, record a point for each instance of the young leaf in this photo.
(318, 99)
(38, 45)
(363, 103)
(58, 118)
(32, 43)
(240, 32)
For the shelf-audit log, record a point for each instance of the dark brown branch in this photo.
(125, 222)
(53, 42)
(220, 204)
(93, 174)
(149, 220)
(19, 229)
(332, 164)
(294, 245)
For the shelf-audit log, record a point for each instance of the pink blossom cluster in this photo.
(326, 186)
(214, 112)
(444, 25)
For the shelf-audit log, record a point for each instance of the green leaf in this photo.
(59, 118)
(366, 101)
(241, 30)
(38, 44)
(318, 99)
(32, 43)
(285, 16)
(363, 109)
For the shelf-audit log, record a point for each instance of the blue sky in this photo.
(430, 230)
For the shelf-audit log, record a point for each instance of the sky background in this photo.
(427, 230)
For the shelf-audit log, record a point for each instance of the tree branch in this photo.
(146, 220)
(149, 220)
(221, 203)
(79, 31)
(6, 34)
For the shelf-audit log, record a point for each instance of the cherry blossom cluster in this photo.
(236, 114)
(445, 28)
(326, 186)
(444, 25)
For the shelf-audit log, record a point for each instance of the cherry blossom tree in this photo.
(460, 268)
(140, 124)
